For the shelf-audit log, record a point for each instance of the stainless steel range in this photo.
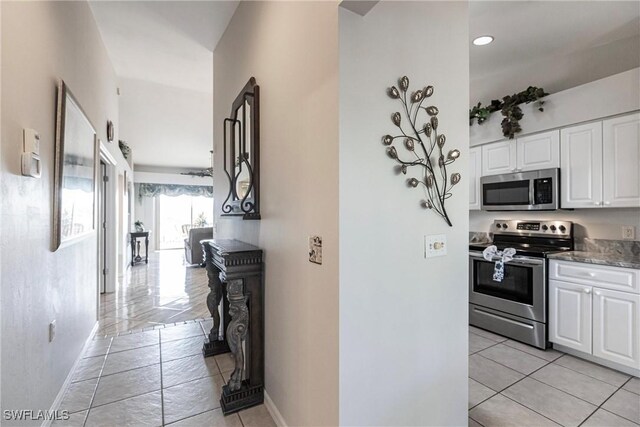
(516, 305)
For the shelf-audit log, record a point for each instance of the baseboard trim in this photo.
(273, 410)
(56, 403)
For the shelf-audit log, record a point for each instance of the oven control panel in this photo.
(532, 228)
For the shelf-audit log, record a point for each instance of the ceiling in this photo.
(162, 52)
(553, 44)
(167, 42)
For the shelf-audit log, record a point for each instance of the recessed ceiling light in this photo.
(482, 40)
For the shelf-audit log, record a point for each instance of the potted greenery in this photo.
(139, 226)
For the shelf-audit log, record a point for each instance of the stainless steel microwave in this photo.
(522, 191)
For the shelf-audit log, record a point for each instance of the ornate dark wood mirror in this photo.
(242, 154)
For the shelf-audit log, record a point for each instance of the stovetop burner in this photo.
(530, 238)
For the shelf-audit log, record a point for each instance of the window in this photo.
(177, 214)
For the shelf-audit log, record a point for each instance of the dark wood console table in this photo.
(234, 270)
(135, 235)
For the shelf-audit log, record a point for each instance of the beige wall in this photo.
(403, 318)
(291, 48)
(41, 42)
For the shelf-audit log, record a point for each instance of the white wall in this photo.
(41, 42)
(609, 96)
(403, 318)
(165, 125)
(291, 48)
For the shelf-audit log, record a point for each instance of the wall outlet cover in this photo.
(628, 232)
(315, 249)
(435, 245)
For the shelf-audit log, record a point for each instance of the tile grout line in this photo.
(95, 390)
(500, 392)
(601, 366)
(161, 382)
(605, 401)
(549, 385)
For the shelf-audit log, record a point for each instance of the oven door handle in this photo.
(531, 262)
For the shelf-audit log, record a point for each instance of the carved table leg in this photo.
(237, 329)
(238, 394)
(138, 257)
(146, 249)
(213, 345)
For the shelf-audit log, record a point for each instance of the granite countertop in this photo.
(627, 260)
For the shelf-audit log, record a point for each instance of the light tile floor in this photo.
(512, 384)
(166, 290)
(154, 378)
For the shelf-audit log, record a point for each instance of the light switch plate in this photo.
(315, 249)
(435, 245)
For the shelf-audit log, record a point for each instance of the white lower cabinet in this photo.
(616, 326)
(590, 318)
(570, 315)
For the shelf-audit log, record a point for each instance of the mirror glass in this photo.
(243, 153)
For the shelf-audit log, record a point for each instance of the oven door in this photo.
(522, 292)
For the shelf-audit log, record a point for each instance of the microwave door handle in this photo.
(532, 192)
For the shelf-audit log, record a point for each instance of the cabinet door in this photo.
(581, 166)
(499, 157)
(540, 151)
(616, 327)
(621, 161)
(475, 169)
(570, 315)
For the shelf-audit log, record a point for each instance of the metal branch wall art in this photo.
(425, 147)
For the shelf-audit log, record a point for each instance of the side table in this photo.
(135, 245)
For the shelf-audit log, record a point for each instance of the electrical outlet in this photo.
(435, 245)
(628, 232)
(52, 331)
(315, 249)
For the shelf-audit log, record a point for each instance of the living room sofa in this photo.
(192, 248)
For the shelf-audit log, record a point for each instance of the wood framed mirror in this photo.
(242, 154)
(75, 172)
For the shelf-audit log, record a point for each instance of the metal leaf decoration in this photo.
(424, 147)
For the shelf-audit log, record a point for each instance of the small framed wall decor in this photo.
(110, 133)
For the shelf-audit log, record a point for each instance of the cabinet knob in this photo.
(597, 293)
(587, 291)
(596, 203)
(592, 274)
(607, 203)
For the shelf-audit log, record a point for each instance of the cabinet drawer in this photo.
(602, 276)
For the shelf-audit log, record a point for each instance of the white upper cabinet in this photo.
(581, 166)
(533, 152)
(499, 157)
(539, 151)
(621, 161)
(600, 164)
(475, 170)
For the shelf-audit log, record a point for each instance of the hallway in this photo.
(153, 378)
(145, 365)
(165, 291)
